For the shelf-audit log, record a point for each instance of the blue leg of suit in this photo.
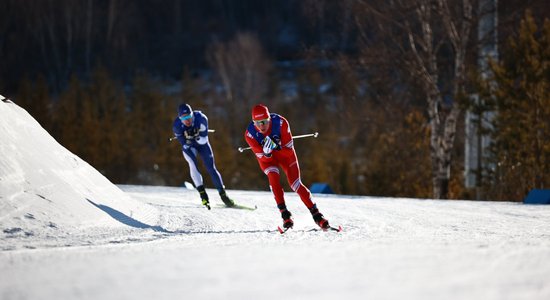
(205, 151)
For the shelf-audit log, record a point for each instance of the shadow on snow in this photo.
(124, 219)
(127, 220)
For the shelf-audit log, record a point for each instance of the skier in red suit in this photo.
(270, 139)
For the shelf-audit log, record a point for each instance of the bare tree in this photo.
(430, 38)
(243, 68)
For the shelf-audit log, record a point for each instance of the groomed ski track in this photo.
(390, 249)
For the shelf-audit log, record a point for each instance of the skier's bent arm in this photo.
(257, 149)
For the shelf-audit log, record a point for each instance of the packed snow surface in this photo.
(68, 233)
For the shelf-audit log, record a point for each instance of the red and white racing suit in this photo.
(283, 158)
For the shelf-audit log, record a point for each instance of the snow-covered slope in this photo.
(47, 190)
(138, 242)
(389, 249)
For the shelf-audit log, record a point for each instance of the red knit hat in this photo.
(260, 112)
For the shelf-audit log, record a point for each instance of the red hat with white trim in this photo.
(260, 112)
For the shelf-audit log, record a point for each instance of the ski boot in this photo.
(228, 202)
(286, 215)
(318, 217)
(204, 196)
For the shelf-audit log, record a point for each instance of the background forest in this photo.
(385, 84)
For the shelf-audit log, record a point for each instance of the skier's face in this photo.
(187, 120)
(262, 125)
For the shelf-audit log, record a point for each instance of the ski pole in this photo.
(241, 149)
(173, 138)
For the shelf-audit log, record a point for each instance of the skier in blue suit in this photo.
(191, 130)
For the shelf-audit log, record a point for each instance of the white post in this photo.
(476, 144)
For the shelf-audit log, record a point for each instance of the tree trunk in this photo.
(442, 124)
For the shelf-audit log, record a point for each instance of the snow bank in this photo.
(45, 186)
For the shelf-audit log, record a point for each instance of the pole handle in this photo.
(315, 135)
(173, 138)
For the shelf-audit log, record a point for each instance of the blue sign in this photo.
(321, 188)
(538, 197)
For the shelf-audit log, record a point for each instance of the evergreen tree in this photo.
(522, 125)
(66, 118)
(150, 124)
(35, 98)
(109, 120)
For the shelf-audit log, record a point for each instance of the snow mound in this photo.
(44, 185)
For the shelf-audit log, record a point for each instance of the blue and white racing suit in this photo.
(193, 144)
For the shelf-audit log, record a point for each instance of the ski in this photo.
(281, 231)
(238, 206)
(330, 228)
(339, 229)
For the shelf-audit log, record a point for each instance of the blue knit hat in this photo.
(184, 109)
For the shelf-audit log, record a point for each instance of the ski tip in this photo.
(339, 229)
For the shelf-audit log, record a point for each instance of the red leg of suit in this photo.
(287, 160)
(292, 172)
(276, 188)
